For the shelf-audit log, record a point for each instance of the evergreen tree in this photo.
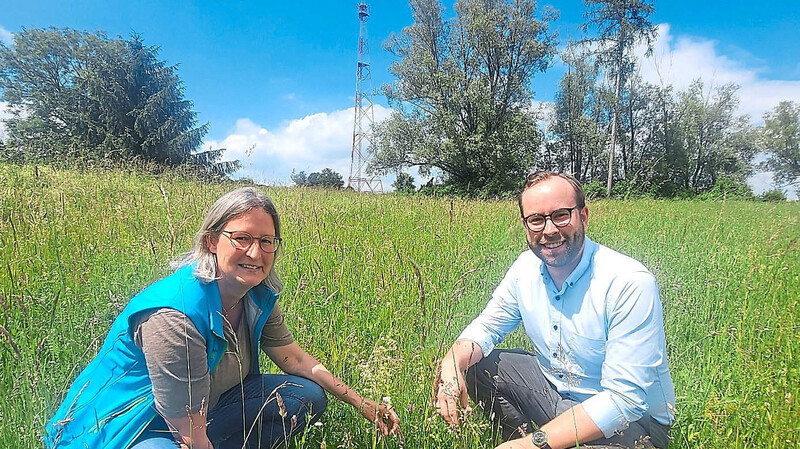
(78, 95)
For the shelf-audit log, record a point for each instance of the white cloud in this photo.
(6, 36)
(679, 60)
(307, 144)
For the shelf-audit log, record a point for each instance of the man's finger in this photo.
(452, 412)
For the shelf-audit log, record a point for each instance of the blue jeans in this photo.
(248, 415)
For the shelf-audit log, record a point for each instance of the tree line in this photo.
(462, 105)
(83, 97)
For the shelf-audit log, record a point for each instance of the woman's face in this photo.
(240, 270)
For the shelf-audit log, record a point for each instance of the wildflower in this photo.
(281, 407)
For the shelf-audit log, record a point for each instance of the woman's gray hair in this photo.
(228, 207)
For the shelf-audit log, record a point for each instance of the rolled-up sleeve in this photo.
(175, 354)
(634, 351)
(500, 316)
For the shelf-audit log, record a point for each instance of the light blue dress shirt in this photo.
(599, 339)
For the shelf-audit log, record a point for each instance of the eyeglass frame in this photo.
(276, 239)
(550, 217)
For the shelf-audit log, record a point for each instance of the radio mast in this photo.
(362, 150)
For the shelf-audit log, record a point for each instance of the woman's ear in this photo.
(211, 243)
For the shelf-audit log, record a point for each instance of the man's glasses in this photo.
(243, 240)
(559, 217)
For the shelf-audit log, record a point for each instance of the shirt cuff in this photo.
(605, 414)
(486, 343)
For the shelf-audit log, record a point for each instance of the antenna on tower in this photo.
(362, 151)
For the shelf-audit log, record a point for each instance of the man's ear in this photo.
(585, 216)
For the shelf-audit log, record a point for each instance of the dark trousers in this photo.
(249, 415)
(514, 393)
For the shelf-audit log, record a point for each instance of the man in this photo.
(594, 316)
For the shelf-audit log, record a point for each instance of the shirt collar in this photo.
(589, 248)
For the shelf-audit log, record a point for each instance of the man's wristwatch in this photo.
(539, 439)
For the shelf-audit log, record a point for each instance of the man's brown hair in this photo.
(543, 175)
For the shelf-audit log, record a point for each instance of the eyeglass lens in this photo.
(243, 240)
(560, 217)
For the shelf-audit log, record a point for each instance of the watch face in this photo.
(539, 438)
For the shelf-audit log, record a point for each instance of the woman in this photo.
(180, 364)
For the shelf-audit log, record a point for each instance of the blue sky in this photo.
(275, 80)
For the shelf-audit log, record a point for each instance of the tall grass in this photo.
(377, 287)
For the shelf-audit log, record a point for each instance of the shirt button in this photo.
(555, 327)
(560, 376)
(555, 355)
(558, 298)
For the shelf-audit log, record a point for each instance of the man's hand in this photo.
(519, 443)
(450, 391)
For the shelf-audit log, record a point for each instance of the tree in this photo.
(647, 148)
(780, 139)
(78, 95)
(577, 129)
(620, 24)
(404, 183)
(300, 179)
(773, 196)
(326, 178)
(718, 144)
(462, 94)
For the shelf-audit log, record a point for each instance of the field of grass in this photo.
(377, 287)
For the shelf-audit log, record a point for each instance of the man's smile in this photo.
(553, 245)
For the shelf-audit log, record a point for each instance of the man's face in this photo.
(557, 247)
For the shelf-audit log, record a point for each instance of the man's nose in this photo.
(549, 226)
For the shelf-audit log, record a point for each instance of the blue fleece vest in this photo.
(111, 402)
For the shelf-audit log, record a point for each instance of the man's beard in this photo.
(573, 243)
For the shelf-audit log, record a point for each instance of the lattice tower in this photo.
(362, 150)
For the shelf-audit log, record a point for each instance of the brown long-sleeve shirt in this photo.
(176, 358)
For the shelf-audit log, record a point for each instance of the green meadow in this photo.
(378, 286)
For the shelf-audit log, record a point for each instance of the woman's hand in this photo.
(195, 446)
(190, 432)
(382, 415)
(292, 359)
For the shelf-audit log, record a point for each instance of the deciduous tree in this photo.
(404, 183)
(780, 139)
(462, 94)
(578, 130)
(620, 25)
(717, 142)
(326, 178)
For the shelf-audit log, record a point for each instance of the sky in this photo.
(276, 80)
